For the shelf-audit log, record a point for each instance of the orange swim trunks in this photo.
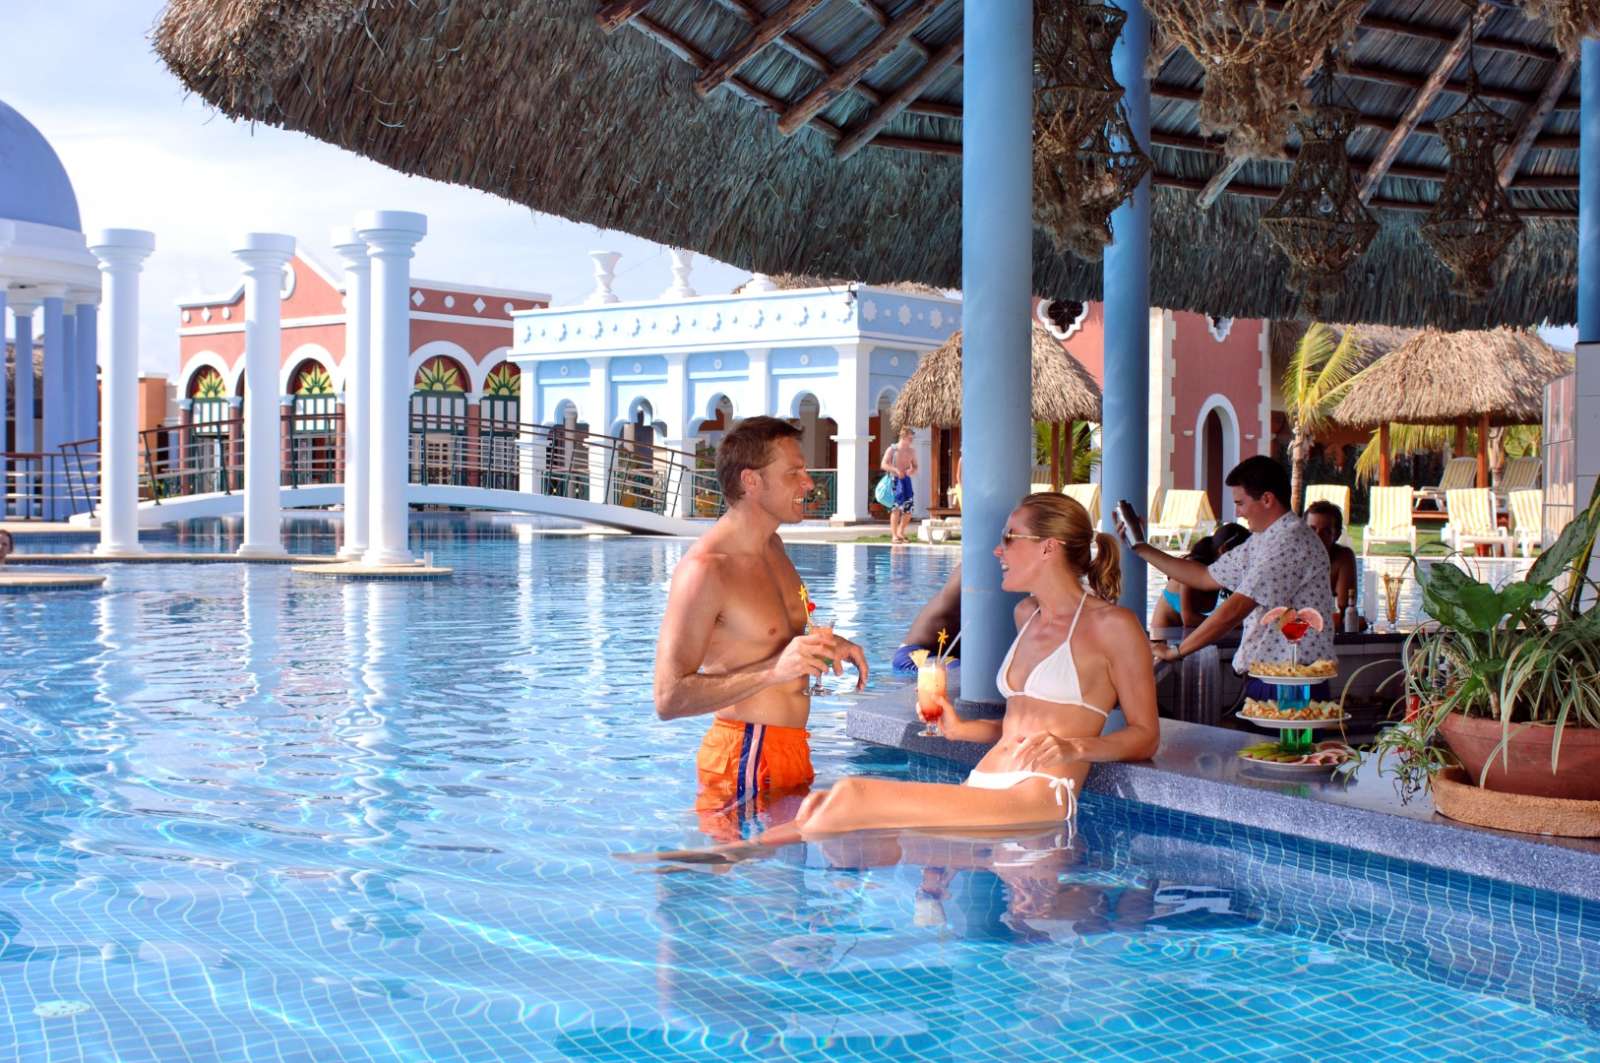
(751, 773)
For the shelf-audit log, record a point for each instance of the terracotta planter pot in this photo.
(1524, 767)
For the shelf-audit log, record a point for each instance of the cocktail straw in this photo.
(948, 650)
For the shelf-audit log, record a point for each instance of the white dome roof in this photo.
(34, 186)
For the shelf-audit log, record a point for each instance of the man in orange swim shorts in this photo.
(734, 642)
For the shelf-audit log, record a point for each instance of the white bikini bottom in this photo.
(1005, 780)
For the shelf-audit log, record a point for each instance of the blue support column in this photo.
(54, 382)
(24, 474)
(1125, 430)
(1589, 195)
(5, 466)
(88, 375)
(997, 283)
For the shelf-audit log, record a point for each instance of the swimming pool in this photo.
(253, 815)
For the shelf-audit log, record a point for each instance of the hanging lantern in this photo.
(1109, 167)
(1318, 221)
(1472, 222)
(1076, 94)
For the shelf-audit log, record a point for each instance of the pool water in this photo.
(247, 814)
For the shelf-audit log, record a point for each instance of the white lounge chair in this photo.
(1087, 496)
(1389, 519)
(1472, 520)
(1459, 474)
(1338, 494)
(1185, 515)
(1527, 514)
(1520, 474)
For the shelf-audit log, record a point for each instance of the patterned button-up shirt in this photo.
(1286, 564)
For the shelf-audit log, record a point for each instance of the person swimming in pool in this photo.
(734, 641)
(941, 613)
(1076, 655)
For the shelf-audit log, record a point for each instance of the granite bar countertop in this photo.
(1195, 770)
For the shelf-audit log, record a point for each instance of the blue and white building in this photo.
(677, 370)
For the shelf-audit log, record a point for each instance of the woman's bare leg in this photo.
(858, 803)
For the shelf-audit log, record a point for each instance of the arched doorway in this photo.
(208, 447)
(566, 472)
(498, 430)
(707, 435)
(1216, 450)
(438, 422)
(313, 436)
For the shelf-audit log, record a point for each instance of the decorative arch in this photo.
(481, 371)
(1223, 407)
(296, 363)
(1219, 327)
(822, 409)
(714, 410)
(879, 406)
(503, 381)
(1062, 318)
(563, 409)
(455, 353)
(231, 375)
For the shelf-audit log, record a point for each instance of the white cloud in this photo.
(143, 155)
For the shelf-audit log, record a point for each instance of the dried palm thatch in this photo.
(1063, 390)
(1446, 377)
(1570, 20)
(528, 100)
(1255, 59)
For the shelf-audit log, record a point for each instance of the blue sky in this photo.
(144, 155)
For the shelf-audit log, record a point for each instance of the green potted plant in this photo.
(1506, 683)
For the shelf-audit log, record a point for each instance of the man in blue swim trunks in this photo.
(900, 462)
(942, 613)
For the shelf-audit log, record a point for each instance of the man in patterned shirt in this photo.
(1282, 563)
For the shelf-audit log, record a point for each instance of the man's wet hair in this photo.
(748, 446)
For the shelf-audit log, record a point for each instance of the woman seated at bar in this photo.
(1181, 605)
(1325, 519)
(1075, 657)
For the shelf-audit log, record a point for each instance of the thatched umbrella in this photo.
(533, 101)
(1454, 378)
(1063, 391)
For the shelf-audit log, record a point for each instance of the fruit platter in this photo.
(1324, 756)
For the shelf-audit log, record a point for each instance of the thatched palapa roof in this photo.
(859, 176)
(1445, 377)
(1063, 390)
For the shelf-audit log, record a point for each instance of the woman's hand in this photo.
(1045, 748)
(1163, 652)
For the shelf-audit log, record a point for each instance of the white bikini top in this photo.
(1054, 679)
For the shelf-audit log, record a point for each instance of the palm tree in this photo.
(1320, 371)
(1513, 441)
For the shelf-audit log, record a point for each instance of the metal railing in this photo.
(50, 485)
(820, 504)
(442, 450)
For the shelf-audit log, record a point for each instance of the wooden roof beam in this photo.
(857, 138)
(1533, 121)
(1385, 76)
(1445, 35)
(765, 32)
(876, 13)
(1194, 184)
(857, 67)
(618, 13)
(1427, 92)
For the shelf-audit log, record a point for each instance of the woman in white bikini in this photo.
(1075, 656)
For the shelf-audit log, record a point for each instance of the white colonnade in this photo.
(352, 251)
(264, 256)
(390, 236)
(121, 254)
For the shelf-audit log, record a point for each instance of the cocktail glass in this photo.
(822, 628)
(931, 690)
(1392, 585)
(1294, 631)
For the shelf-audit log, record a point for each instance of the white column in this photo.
(675, 413)
(352, 252)
(532, 444)
(598, 407)
(54, 383)
(121, 253)
(390, 236)
(854, 481)
(922, 482)
(25, 477)
(760, 387)
(264, 256)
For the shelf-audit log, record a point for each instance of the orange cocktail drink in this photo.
(932, 687)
